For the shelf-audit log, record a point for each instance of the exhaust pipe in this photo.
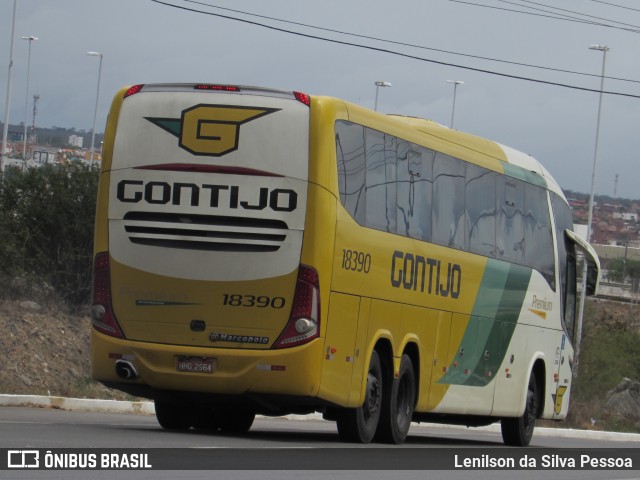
(126, 370)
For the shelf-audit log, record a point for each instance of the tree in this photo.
(620, 268)
(46, 227)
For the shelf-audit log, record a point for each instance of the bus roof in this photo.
(503, 153)
(524, 164)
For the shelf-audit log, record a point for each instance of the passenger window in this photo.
(448, 206)
(351, 168)
(566, 261)
(481, 210)
(570, 297)
(510, 227)
(381, 151)
(538, 239)
(414, 192)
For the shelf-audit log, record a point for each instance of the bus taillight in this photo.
(102, 316)
(133, 90)
(303, 98)
(304, 321)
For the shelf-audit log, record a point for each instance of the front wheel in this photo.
(517, 432)
(359, 425)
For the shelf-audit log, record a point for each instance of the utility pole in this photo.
(5, 150)
(36, 98)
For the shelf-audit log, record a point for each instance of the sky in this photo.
(416, 45)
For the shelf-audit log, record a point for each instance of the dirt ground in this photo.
(45, 351)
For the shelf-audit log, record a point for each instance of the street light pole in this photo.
(379, 84)
(26, 99)
(95, 111)
(604, 50)
(5, 130)
(455, 87)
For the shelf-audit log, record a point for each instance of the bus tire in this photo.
(359, 425)
(398, 405)
(205, 419)
(236, 421)
(517, 432)
(172, 416)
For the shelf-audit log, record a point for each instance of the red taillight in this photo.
(304, 320)
(218, 88)
(133, 90)
(303, 98)
(102, 316)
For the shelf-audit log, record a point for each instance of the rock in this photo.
(624, 399)
(26, 380)
(30, 305)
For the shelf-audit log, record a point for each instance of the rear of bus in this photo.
(199, 290)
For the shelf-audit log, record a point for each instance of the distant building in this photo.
(42, 155)
(581, 230)
(76, 141)
(627, 217)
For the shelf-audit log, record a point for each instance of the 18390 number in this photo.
(356, 261)
(258, 301)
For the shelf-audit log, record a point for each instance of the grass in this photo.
(610, 351)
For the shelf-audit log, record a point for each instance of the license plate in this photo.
(195, 364)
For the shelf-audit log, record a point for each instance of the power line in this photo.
(391, 52)
(615, 5)
(569, 11)
(574, 20)
(561, 16)
(393, 42)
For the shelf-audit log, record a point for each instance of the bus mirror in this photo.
(592, 278)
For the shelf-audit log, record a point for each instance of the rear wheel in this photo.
(398, 405)
(235, 421)
(172, 416)
(518, 431)
(205, 418)
(359, 425)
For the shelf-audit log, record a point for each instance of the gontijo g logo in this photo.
(211, 130)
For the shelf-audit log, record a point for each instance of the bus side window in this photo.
(351, 168)
(481, 210)
(448, 207)
(566, 262)
(381, 153)
(570, 295)
(537, 232)
(414, 190)
(510, 206)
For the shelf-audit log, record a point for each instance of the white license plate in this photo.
(196, 364)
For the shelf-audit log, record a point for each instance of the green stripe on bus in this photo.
(491, 326)
(524, 175)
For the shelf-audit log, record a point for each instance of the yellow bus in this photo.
(267, 252)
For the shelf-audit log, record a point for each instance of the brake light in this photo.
(102, 316)
(303, 98)
(133, 90)
(218, 88)
(304, 320)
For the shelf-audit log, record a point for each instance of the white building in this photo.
(75, 141)
(627, 217)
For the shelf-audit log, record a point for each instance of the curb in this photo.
(147, 408)
(77, 404)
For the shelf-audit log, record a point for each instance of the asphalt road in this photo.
(275, 446)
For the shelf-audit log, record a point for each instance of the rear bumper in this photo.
(238, 372)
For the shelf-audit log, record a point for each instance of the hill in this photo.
(46, 352)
